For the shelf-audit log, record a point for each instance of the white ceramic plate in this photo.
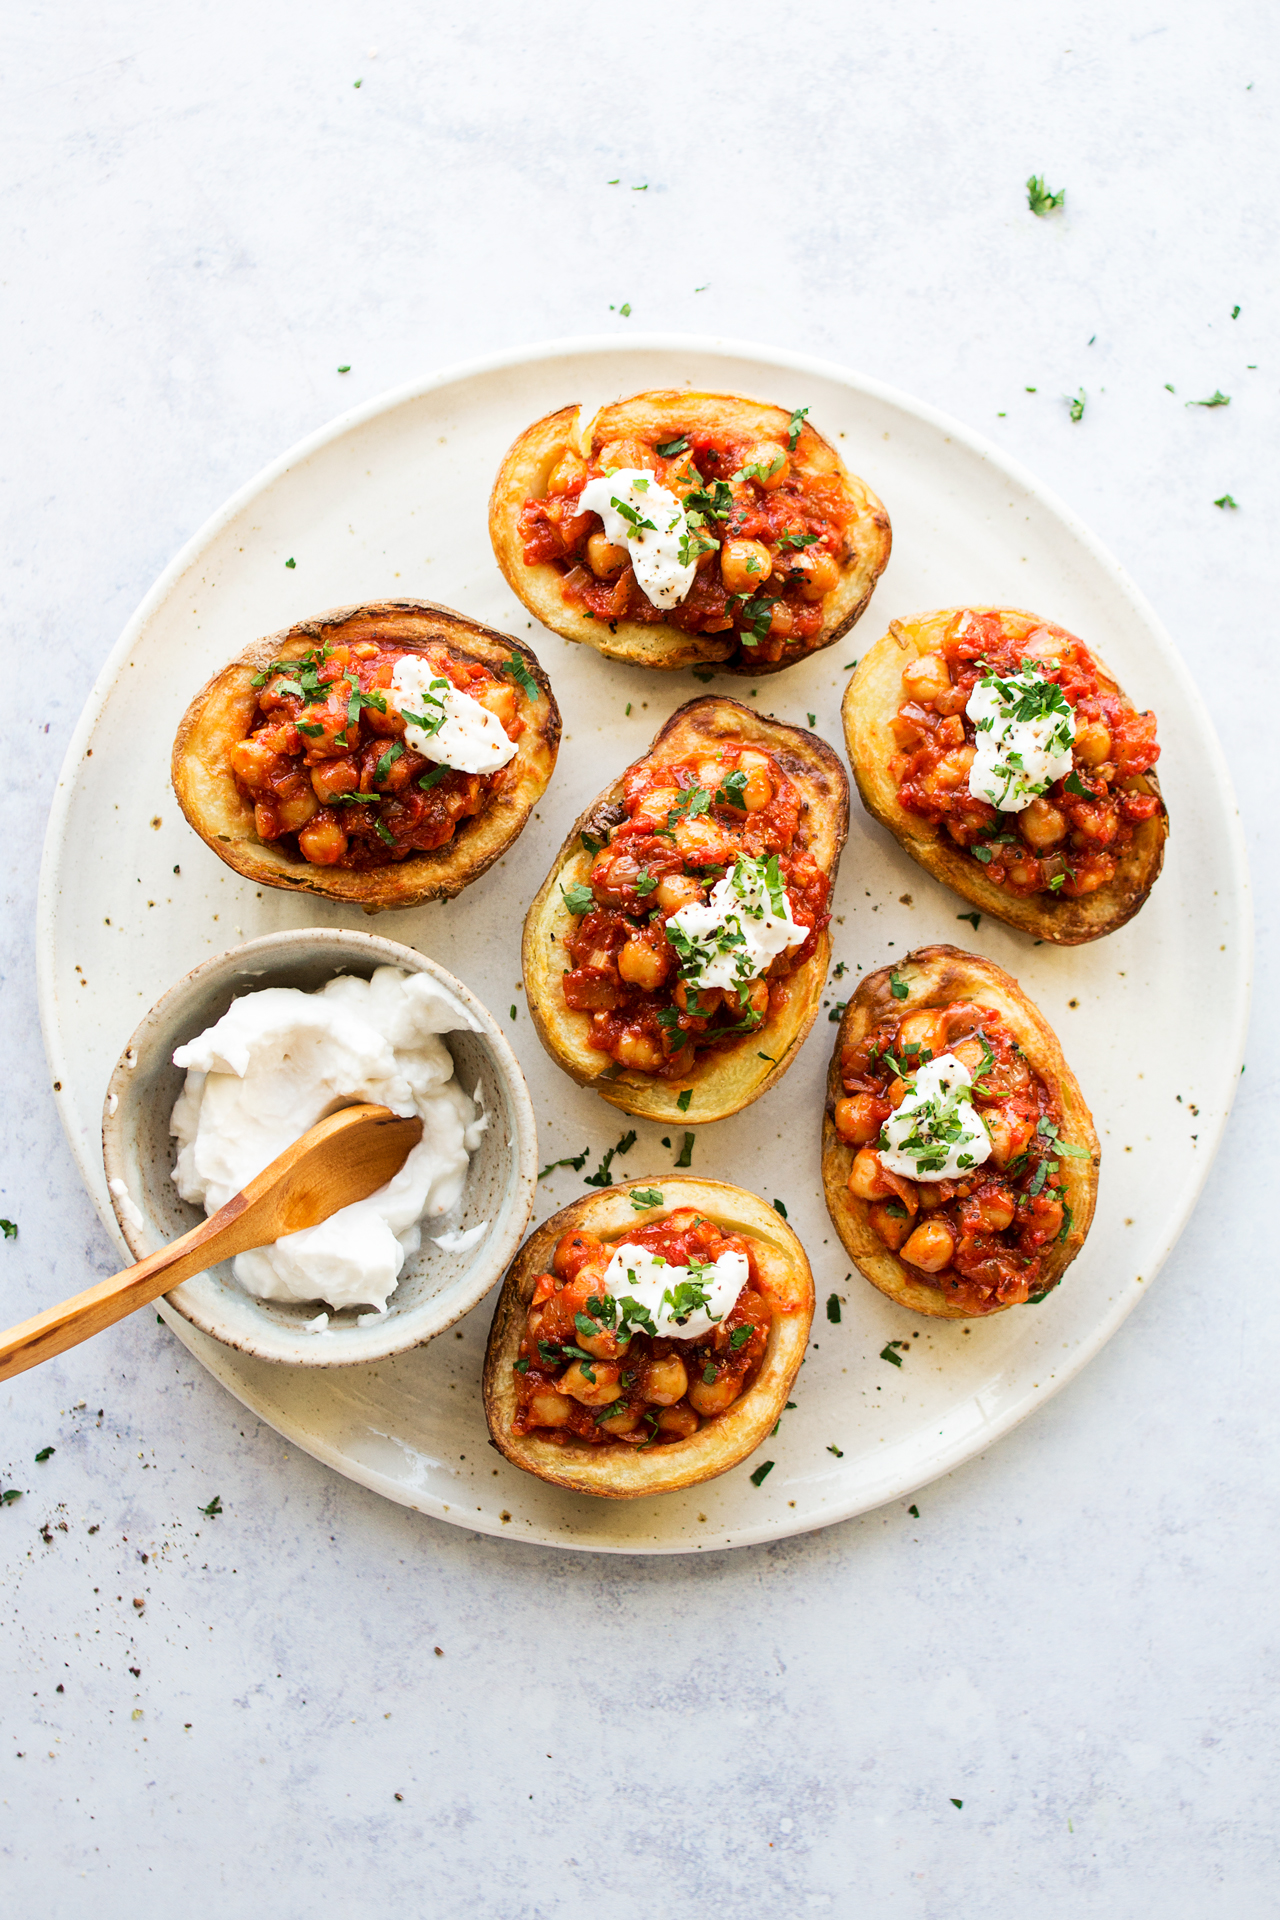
(391, 499)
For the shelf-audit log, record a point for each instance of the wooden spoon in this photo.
(340, 1160)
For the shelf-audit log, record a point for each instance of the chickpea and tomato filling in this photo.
(332, 766)
(948, 1094)
(757, 541)
(598, 1365)
(1007, 738)
(707, 879)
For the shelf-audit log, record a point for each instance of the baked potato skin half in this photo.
(617, 1472)
(935, 977)
(661, 415)
(871, 701)
(222, 713)
(723, 1081)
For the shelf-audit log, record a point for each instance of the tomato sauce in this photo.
(797, 519)
(577, 1379)
(984, 1237)
(683, 825)
(1067, 841)
(328, 772)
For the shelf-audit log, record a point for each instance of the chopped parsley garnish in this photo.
(1216, 399)
(730, 793)
(388, 760)
(9, 1228)
(385, 833)
(312, 733)
(9, 1495)
(833, 1309)
(670, 448)
(798, 540)
(898, 986)
(682, 1103)
(779, 1208)
(589, 843)
(645, 882)
(757, 470)
(577, 898)
(709, 1374)
(837, 1010)
(612, 1411)
(813, 719)
(887, 1353)
(636, 522)
(434, 777)
(214, 1507)
(600, 1178)
(46, 1453)
(686, 1152)
(522, 1366)
(307, 686)
(1075, 404)
(642, 1198)
(1040, 200)
(972, 918)
(739, 1337)
(837, 1452)
(1074, 784)
(761, 1473)
(1226, 501)
(516, 667)
(797, 420)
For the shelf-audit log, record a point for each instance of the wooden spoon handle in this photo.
(342, 1159)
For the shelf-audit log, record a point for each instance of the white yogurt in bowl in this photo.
(281, 1059)
(272, 1037)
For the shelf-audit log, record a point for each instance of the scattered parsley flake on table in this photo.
(1216, 399)
(1075, 404)
(779, 1208)
(1039, 198)
(887, 1353)
(291, 563)
(761, 1472)
(833, 1309)
(214, 1507)
(46, 1453)
(9, 1228)
(1226, 501)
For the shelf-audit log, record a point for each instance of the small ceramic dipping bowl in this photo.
(436, 1286)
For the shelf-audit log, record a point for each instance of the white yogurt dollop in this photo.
(654, 1285)
(732, 937)
(646, 518)
(1025, 728)
(278, 1061)
(468, 738)
(936, 1133)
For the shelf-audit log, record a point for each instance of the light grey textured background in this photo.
(203, 216)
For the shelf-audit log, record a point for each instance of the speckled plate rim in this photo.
(1234, 885)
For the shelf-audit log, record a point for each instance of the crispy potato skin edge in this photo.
(618, 1473)
(726, 1081)
(871, 700)
(221, 713)
(527, 467)
(936, 976)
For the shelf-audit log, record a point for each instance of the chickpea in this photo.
(1009, 1133)
(625, 1420)
(970, 1054)
(857, 1119)
(638, 1050)
(953, 769)
(919, 1030)
(709, 1397)
(676, 890)
(1093, 743)
(499, 699)
(549, 1410)
(600, 1392)
(897, 1093)
(704, 843)
(604, 1344)
(332, 777)
(821, 572)
(642, 964)
(771, 463)
(996, 1208)
(891, 1221)
(930, 1247)
(252, 761)
(745, 565)
(665, 1381)
(616, 454)
(1042, 824)
(926, 677)
(322, 841)
(604, 558)
(653, 808)
(866, 1177)
(682, 1421)
(296, 809)
(758, 791)
(1024, 873)
(569, 472)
